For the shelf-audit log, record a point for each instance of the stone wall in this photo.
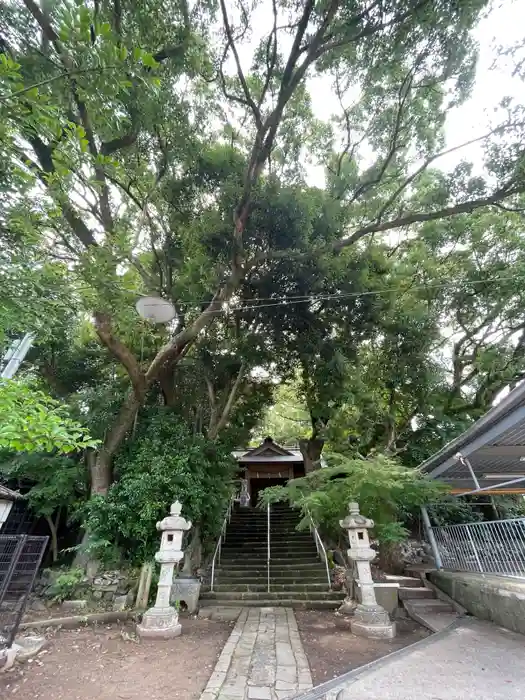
(109, 589)
(495, 598)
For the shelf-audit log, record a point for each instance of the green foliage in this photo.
(65, 585)
(386, 492)
(454, 511)
(32, 421)
(165, 463)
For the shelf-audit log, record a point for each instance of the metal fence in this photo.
(20, 558)
(495, 547)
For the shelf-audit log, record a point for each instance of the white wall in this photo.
(5, 507)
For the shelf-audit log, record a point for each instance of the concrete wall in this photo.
(495, 598)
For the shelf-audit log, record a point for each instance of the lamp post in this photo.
(370, 619)
(162, 620)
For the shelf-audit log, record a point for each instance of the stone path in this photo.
(263, 659)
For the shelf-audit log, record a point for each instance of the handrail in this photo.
(222, 537)
(268, 544)
(319, 544)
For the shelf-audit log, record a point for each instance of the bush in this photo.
(165, 463)
(65, 585)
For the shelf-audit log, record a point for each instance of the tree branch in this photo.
(221, 423)
(246, 90)
(420, 217)
(121, 352)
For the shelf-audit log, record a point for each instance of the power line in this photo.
(287, 301)
(305, 298)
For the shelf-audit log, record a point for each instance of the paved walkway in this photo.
(263, 659)
(472, 660)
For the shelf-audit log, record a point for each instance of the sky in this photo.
(504, 26)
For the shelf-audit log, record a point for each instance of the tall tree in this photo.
(103, 105)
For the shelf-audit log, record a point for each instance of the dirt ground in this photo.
(108, 663)
(332, 650)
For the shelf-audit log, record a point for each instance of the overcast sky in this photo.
(505, 26)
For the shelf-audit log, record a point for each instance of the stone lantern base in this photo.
(162, 623)
(372, 621)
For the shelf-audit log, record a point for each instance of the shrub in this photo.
(166, 463)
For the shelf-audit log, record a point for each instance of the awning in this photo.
(489, 457)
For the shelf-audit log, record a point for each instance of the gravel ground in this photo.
(109, 663)
(332, 650)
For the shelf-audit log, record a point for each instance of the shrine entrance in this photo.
(269, 464)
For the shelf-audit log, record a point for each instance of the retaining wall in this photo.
(495, 598)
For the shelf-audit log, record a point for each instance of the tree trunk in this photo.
(311, 451)
(54, 538)
(100, 463)
(193, 553)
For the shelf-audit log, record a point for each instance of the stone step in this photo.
(274, 544)
(272, 595)
(436, 615)
(314, 604)
(225, 578)
(416, 570)
(260, 562)
(240, 536)
(411, 593)
(428, 605)
(260, 567)
(279, 552)
(406, 581)
(262, 533)
(262, 586)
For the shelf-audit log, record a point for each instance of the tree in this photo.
(105, 108)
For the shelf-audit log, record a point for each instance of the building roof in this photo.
(268, 450)
(8, 495)
(490, 455)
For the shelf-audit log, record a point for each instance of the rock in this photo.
(218, 612)
(338, 558)
(338, 577)
(74, 605)
(120, 603)
(97, 595)
(348, 607)
(29, 647)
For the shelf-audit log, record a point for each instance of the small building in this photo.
(7, 498)
(269, 464)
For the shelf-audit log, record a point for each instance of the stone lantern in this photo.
(162, 620)
(370, 619)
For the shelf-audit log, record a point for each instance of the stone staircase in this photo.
(297, 575)
(421, 602)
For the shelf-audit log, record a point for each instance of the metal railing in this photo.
(494, 547)
(321, 550)
(222, 537)
(20, 559)
(268, 549)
